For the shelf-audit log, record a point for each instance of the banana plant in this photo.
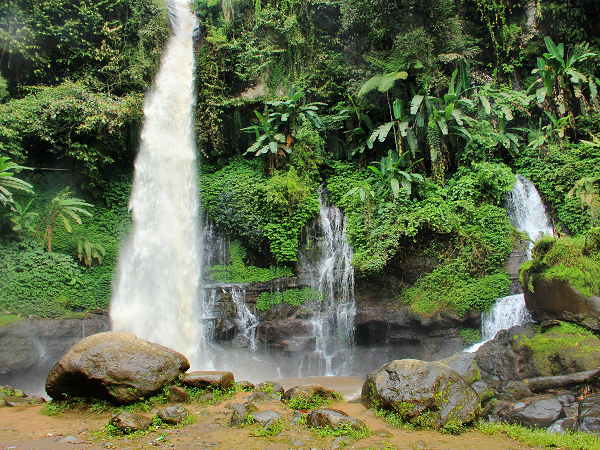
(88, 252)
(381, 133)
(561, 80)
(22, 218)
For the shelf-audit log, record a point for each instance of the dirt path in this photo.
(24, 428)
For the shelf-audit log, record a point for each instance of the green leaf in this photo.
(415, 103)
(397, 107)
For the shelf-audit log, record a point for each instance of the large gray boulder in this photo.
(115, 366)
(536, 414)
(414, 388)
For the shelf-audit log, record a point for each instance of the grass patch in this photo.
(345, 429)
(541, 438)
(306, 404)
(293, 297)
(9, 318)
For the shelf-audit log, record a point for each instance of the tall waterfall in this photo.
(159, 269)
(526, 210)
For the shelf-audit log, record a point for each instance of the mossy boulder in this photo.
(115, 366)
(428, 394)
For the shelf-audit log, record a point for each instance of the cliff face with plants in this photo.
(415, 115)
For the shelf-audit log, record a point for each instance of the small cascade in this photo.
(245, 321)
(526, 210)
(333, 320)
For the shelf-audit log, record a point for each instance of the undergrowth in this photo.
(293, 297)
(541, 437)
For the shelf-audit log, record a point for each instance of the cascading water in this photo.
(159, 269)
(333, 321)
(526, 210)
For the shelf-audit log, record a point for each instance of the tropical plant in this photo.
(390, 175)
(62, 207)
(22, 218)
(561, 81)
(9, 181)
(88, 251)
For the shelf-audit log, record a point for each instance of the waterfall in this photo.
(527, 213)
(333, 320)
(156, 293)
(245, 321)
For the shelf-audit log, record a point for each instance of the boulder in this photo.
(515, 390)
(115, 366)
(308, 391)
(260, 396)
(332, 418)
(412, 388)
(270, 387)
(264, 417)
(280, 330)
(245, 385)
(240, 413)
(208, 380)
(127, 422)
(177, 394)
(558, 300)
(486, 391)
(500, 359)
(588, 419)
(464, 364)
(173, 414)
(536, 414)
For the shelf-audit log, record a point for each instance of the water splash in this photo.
(155, 296)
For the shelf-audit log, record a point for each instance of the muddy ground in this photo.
(25, 428)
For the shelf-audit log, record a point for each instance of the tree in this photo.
(62, 207)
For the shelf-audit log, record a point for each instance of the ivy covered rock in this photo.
(428, 394)
(115, 366)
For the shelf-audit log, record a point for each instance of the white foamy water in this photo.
(155, 296)
(526, 210)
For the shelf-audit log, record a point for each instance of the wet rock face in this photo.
(558, 300)
(34, 345)
(588, 419)
(501, 359)
(413, 388)
(115, 366)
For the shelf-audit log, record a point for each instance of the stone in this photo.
(307, 391)
(245, 385)
(588, 419)
(240, 413)
(414, 387)
(208, 380)
(173, 414)
(70, 439)
(270, 387)
(319, 418)
(464, 364)
(383, 433)
(13, 400)
(178, 395)
(558, 300)
(277, 331)
(485, 390)
(127, 422)
(515, 390)
(263, 417)
(260, 396)
(115, 366)
(536, 414)
(499, 359)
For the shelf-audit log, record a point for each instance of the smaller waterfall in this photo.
(524, 206)
(245, 321)
(526, 210)
(333, 323)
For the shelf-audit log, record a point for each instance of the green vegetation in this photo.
(470, 335)
(561, 346)
(541, 438)
(306, 404)
(9, 318)
(354, 432)
(416, 115)
(292, 297)
(575, 260)
(238, 272)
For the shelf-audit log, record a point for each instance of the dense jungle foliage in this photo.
(415, 116)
